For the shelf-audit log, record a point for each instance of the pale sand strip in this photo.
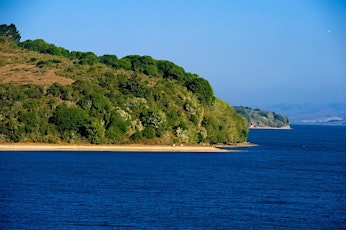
(113, 148)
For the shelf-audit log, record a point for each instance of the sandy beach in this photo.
(113, 148)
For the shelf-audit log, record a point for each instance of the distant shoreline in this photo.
(117, 148)
(284, 128)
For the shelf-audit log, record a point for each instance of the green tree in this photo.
(123, 63)
(70, 119)
(134, 86)
(83, 87)
(117, 127)
(95, 132)
(39, 45)
(170, 70)
(85, 58)
(108, 59)
(10, 32)
(143, 64)
(202, 89)
(153, 119)
(149, 133)
(96, 104)
(224, 125)
(56, 89)
(30, 120)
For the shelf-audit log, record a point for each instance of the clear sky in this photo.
(253, 52)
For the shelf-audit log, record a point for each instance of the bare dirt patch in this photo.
(29, 74)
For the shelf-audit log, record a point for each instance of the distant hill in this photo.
(262, 119)
(313, 114)
(53, 95)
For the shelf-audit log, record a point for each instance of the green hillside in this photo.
(262, 119)
(49, 94)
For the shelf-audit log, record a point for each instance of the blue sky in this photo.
(253, 52)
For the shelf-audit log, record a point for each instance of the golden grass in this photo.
(17, 68)
(29, 74)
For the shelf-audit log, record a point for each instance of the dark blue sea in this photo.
(294, 179)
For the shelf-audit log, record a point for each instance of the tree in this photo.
(30, 120)
(123, 64)
(224, 125)
(117, 127)
(202, 89)
(85, 58)
(56, 89)
(133, 86)
(96, 104)
(70, 118)
(153, 119)
(95, 132)
(39, 45)
(88, 58)
(82, 86)
(10, 32)
(108, 59)
(170, 70)
(143, 64)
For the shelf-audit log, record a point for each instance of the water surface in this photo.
(294, 179)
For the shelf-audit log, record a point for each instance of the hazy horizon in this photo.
(252, 52)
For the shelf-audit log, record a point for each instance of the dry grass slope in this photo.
(17, 67)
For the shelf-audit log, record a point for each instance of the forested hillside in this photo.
(262, 119)
(49, 94)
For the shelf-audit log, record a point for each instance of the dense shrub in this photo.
(70, 118)
(202, 89)
(41, 46)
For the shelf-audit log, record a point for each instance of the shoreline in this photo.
(118, 148)
(281, 128)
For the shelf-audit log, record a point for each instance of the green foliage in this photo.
(83, 87)
(153, 119)
(56, 90)
(41, 46)
(41, 64)
(202, 89)
(170, 70)
(143, 64)
(32, 91)
(108, 59)
(134, 99)
(70, 119)
(123, 63)
(10, 32)
(95, 132)
(95, 104)
(117, 127)
(137, 136)
(30, 120)
(224, 125)
(133, 85)
(262, 118)
(149, 133)
(85, 58)
(281, 118)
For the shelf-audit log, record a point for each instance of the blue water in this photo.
(295, 179)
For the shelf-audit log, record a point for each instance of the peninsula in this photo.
(52, 95)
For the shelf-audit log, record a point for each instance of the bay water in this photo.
(294, 179)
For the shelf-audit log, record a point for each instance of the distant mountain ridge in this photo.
(313, 114)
